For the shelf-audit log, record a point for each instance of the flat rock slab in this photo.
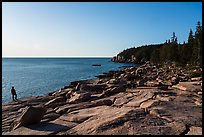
(126, 97)
(108, 116)
(150, 103)
(134, 122)
(81, 115)
(52, 127)
(188, 86)
(152, 126)
(140, 97)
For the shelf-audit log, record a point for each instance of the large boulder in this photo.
(31, 115)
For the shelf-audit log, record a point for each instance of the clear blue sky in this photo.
(92, 28)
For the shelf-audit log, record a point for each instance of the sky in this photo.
(92, 29)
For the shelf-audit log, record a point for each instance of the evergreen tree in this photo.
(190, 38)
(198, 43)
(196, 57)
(188, 51)
(174, 38)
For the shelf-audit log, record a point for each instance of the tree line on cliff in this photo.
(189, 52)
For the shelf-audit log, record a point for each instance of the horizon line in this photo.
(57, 56)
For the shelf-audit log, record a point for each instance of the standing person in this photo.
(13, 92)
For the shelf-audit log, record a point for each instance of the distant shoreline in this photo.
(58, 57)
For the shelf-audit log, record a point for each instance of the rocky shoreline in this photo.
(139, 100)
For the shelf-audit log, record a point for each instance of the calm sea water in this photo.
(39, 76)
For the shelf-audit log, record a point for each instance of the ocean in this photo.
(39, 76)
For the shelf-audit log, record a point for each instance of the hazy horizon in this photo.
(56, 57)
(92, 29)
